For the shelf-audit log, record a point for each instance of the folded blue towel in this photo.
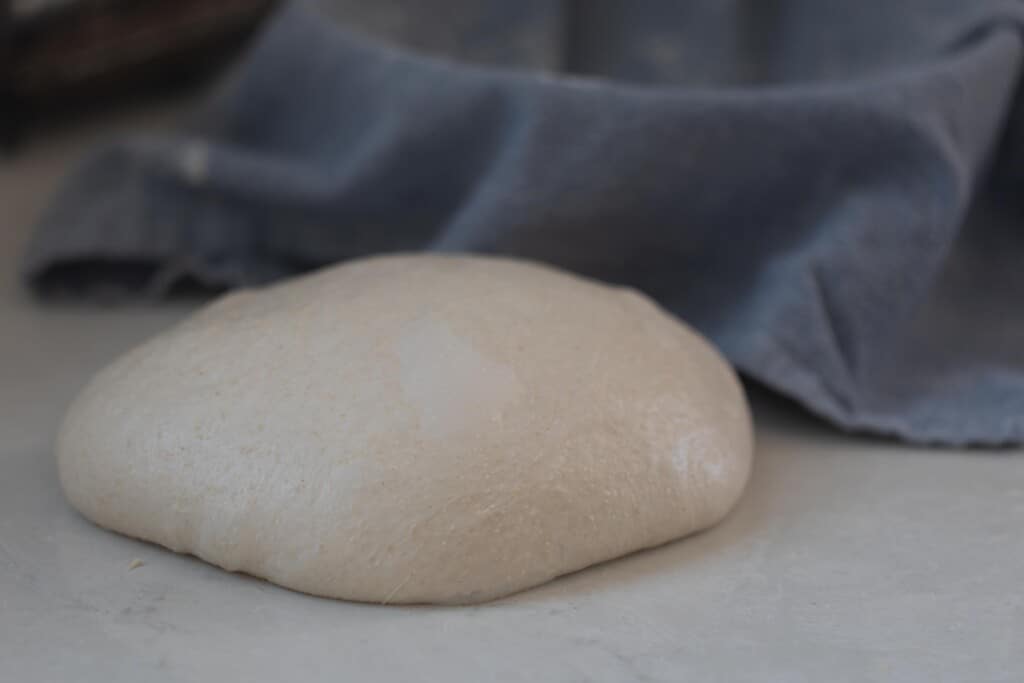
(831, 191)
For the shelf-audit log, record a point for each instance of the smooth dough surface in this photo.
(424, 428)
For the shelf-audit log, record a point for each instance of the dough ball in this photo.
(405, 429)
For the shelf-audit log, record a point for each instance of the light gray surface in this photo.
(848, 559)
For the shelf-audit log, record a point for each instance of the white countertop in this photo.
(848, 559)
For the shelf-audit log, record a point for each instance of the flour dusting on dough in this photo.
(452, 386)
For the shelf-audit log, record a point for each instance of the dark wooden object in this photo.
(73, 56)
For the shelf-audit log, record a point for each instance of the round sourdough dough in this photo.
(413, 429)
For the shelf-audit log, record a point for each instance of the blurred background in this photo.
(62, 58)
(828, 190)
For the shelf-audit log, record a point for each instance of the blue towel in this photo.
(833, 192)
